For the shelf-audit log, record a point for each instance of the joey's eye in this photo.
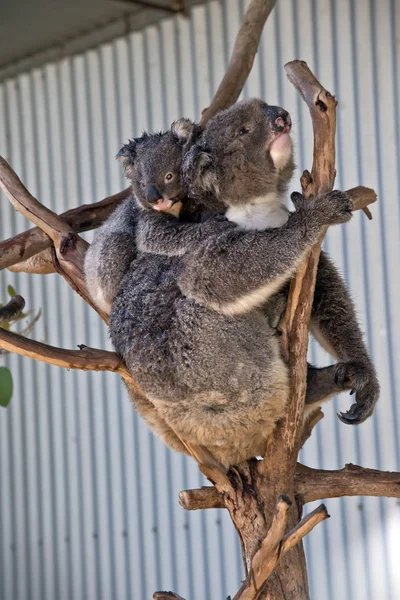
(142, 184)
(243, 131)
(169, 177)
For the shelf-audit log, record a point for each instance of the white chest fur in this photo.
(261, 213)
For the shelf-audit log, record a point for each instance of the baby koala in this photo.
(152, 164)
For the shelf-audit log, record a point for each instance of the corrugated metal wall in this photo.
(88, 497)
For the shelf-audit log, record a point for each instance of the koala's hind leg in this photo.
(155, 422)
(322, 384)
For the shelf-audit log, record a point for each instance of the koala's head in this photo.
(153, 164)
(245, 152)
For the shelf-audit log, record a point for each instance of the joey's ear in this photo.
(127, 154)
(185, 131)
(198, 172)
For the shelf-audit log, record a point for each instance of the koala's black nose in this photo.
(152, 194)
(279, 117)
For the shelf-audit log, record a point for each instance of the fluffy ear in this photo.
(198, 172)
(127, 154)
(184, 130)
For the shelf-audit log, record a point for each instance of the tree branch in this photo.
(242, 58)
(313, 484)
(32, 242)
(85, 359)
(275, 545)
(286, 439)
(205, 497)
(69, 247)
(352, 480)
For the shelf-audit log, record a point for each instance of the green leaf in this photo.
(11, 290)
(6, 386)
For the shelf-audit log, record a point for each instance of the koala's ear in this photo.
(127, 154)
(198, 172)
(184, 131)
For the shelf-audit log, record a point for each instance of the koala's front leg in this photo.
(239, 270)
(322, 384)
(334, 324)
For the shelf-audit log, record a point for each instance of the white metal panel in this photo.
(88, 495)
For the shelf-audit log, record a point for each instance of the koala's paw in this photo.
(335, 207)
(332, 208)
(360, 378)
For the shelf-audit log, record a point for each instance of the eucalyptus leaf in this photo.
(6, 386)
(11, 291)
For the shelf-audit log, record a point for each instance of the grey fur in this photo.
(193, 319)
(146, 161)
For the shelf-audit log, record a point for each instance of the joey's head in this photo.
(243, 155)
(153, 164)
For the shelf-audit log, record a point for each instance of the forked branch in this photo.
(275, 545)
(69, 247)
(23, 246)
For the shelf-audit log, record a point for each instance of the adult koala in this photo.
(192, 319)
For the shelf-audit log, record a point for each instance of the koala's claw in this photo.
(332, 208)
(353, 416)
(361, 380)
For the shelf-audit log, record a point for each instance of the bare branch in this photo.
(86, 359)
(362, 197)
(12, 309)
(275, 545)
(205, 497)
(69, 247)
(83, 218)
(29, 207)
(242, 58)
(349, 481)
(303, 528)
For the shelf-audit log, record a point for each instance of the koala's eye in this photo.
(243, 131)
(142, 184)
(169, 177)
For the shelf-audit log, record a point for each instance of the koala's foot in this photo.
(322, 384)
(360, 377)
(332, 208)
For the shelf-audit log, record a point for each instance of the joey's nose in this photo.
(279, 117)
(152, 194)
